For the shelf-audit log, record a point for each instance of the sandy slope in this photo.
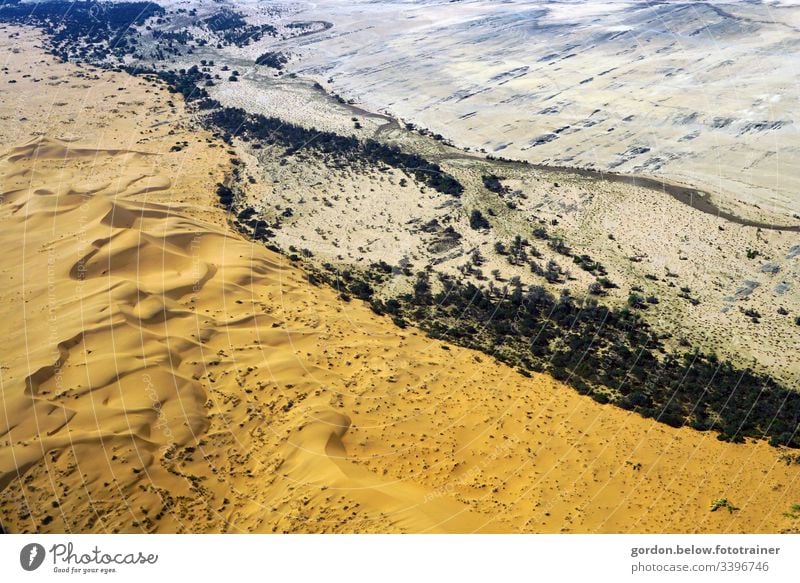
(160, 373)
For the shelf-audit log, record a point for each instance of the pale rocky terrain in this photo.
(161, 373)
(698, 92)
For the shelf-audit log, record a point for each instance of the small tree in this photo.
(478, 221)
(596, 289)
(636, 301)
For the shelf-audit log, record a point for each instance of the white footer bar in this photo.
(410, 558)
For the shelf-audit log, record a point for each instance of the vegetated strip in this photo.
(232, 121)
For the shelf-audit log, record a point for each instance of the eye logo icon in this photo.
(31, 556)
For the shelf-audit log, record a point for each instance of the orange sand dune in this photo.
(160, 373)
(138, 329)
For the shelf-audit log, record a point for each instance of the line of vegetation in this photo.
(613, 355)
(272, 130)
(233, 121)
(87, 30)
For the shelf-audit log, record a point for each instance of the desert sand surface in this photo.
(160, 373)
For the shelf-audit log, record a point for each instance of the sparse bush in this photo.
(492, 183)
(273, 60)
(596, 289)
(636, 301)
(723, 503)
(559, 246)
(478, 221)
